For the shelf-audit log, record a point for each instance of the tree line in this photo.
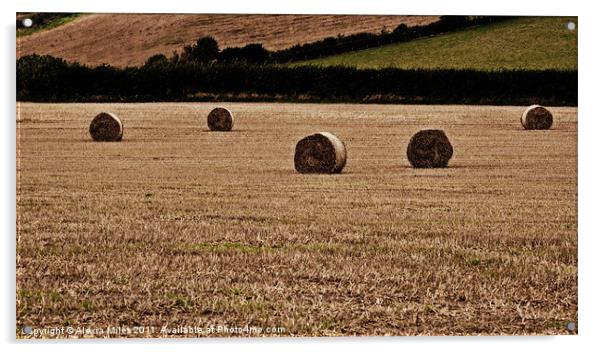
(49, 79)
(206, 49)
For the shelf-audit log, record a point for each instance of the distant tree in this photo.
(255, 53)
(251, 54)
(204, 50)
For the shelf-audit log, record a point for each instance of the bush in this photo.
(204, 50)
(251, 53)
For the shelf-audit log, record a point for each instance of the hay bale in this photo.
(106, 127)
(429, 148)
(536, 117)
(322, 153)
(220, 119)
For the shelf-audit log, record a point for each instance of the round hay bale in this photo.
(322, 153)
(106, 127)
(220, 119)
(429, 149)
(536, 117)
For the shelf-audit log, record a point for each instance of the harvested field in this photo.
(92, 39)
(177, 226)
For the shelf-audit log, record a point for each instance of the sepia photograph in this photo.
(228, 175)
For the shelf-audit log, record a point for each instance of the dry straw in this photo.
(429, 148)
(536, 117)
(320, 153)
(220, 119)
(106, 127)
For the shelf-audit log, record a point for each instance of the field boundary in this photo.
(49, 79)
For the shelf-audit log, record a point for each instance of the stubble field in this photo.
(92, 39)
(177, 226)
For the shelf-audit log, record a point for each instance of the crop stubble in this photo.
(176, 225)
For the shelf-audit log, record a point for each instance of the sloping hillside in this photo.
(129, 39)
(525, 43)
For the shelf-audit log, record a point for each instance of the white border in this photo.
(590, 122)
(384, 7)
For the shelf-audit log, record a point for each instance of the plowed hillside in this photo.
(129, 39)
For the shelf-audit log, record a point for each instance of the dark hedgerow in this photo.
(44, 78)
(206, 49)
(360, 41)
